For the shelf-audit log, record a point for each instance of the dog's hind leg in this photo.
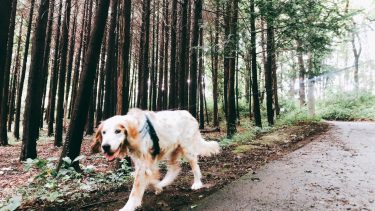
(173, 170)
(193, 161)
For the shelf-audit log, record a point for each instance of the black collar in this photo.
(148, 128)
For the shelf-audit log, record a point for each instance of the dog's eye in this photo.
(117, 131)
(103, 132)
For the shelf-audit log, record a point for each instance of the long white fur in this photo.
(175, 129)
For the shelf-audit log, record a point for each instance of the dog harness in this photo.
(149, 129)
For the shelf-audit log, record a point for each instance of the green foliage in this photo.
(347, 106)
(293, 114)
(48, 186)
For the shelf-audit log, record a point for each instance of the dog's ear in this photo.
(97, 140)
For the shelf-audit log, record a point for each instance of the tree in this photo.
(184, 41)
(23, 72)
(62, 76)
(4, 29)
(109, 98)
(173, 71)
(34, 89)
(357, 50)
(74, 135)
(124, 58)
(6, 76)
(269, 64)
(143, 69)
(195, 57)
(254, 75)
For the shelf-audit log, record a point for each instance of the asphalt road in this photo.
(334, 172)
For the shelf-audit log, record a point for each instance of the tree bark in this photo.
(254, 76)
(15, 92)
(54, 76)
(62, 77)
(109, 70)
(197, 21)
(183, 94)
(172, 86)
(124, 67)
(269, 66)
(34, 89)
(74, 136)
(143, 69)
(302, 71)
(6, 74)
(23, 72)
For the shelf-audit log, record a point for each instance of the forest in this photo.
(241, 68)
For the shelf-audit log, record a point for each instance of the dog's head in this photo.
(114, 137)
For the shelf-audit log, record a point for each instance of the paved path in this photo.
(335, 172)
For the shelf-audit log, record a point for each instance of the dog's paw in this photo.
(197, 185)
(158, 189)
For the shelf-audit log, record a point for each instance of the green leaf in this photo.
(79, 158)
(67, 160)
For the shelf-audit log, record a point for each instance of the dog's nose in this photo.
(106, 147)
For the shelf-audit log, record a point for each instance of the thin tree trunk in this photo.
(62, 75)
(5, 85)
(302, 71)
(54, 77)
(23, 72)
(183, 94)
(173, 71)
(74, 136)
(254, 76)
(200, 76)
(109, 70)
(5, 11)
(194, 60)
(34, 89)
(143, 70)
(269, 65)
(15, 92)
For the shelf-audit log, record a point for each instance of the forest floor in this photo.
(234, 161)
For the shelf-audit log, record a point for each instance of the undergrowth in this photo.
(348, 106)
(49, 186)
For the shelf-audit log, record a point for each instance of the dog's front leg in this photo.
(139, 186)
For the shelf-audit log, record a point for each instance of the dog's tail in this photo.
(208, 148)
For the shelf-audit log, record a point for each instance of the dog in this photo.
(148, 138)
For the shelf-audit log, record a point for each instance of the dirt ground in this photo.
(335, 172)
(232, 163)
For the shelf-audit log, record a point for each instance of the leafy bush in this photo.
(348, 106)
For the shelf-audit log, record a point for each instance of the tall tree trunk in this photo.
(215, 69)
(254, 76)
(302, 72)
(357, 50)
(5, 11)
(183, 94)
(143, 68)
(46, 55)
(34, 89)
(23, 72)
(5, 85)
(201, 77)
(70, 61)
(173, 67)
(74, 136)
(269, 65)
(15, 92)
(166, 48)
(231, 119)
(124, 57)
(194, 59)
(101, 87)
(109, 70)
(54, 76)
(162, 57)
(62, 75)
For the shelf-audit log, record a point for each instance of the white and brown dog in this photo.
(149, 137)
